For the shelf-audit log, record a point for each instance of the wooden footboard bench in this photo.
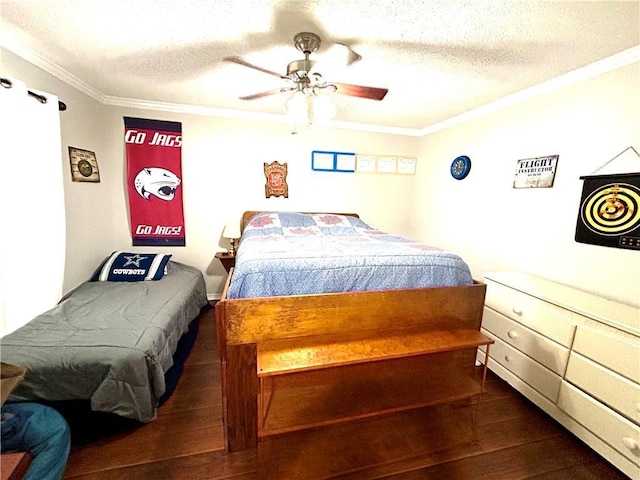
(442, 320)
(326, 381)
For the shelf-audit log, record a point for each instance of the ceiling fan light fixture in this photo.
(299, 107)
(322, 108)
(327, 88)
(316, 78)
(307, 106)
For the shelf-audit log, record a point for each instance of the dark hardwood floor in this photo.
(515, 440)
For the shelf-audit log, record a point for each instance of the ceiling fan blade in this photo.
(372, 93)
(255, 96)
(244, 63)
(345, 52)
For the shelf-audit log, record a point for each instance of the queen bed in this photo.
(113, 340)
(310, 275)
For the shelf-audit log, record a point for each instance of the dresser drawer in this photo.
(618, 352)
(546, 352)
(543, 380)
(545, 318)
(612, 428)
(616, 391)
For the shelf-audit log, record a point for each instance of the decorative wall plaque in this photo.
(276, 185)
(84, 165)
(536, 172)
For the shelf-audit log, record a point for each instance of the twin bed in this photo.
(113, 343)
(313, 275)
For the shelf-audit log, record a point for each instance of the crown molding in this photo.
(614, 62)
(10, 39)
(609, 64)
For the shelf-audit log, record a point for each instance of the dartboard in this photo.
(612, 209)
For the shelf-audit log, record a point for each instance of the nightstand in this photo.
(228, 260)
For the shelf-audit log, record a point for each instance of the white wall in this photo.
(496, 227)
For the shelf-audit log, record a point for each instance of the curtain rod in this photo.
(6, 83)
(42, 99)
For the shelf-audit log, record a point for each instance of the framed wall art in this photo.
(333, 161)
(84, 165)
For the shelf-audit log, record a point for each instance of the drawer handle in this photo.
(517, 311)
(512, 334)
(507, 358)
(630, 443)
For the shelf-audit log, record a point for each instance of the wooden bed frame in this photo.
(243, 324)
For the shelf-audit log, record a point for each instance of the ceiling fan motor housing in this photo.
(299, 68)
(307, 42)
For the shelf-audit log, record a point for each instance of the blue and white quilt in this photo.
(296, 254)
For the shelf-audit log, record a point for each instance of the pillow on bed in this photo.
(133, 267)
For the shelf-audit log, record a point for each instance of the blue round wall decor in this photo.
(460, 167)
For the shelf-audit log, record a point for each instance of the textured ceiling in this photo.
(438, 59)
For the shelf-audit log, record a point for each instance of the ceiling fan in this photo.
(302, 77)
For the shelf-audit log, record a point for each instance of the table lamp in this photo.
(232, 232)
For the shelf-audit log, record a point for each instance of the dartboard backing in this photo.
(610, 211)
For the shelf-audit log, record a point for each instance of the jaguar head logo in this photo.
(156, 181)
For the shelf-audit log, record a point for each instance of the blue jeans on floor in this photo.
(41, 431)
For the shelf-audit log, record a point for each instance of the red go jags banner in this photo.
(154, 181)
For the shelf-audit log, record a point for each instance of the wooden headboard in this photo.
(246, 216)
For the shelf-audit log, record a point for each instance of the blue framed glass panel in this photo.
(322, 161)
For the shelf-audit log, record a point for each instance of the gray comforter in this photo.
(108, 342)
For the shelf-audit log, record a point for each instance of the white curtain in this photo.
(32, 216)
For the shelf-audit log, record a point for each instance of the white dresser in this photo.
(576, 355)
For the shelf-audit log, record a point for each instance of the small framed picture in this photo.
(386, 164)
(84, 165)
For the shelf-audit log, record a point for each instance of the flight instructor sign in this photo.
(154, 181)
(536, 172)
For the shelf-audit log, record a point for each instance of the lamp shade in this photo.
(231, 230)
(311, 105)
(323, 108)
(299, 107)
